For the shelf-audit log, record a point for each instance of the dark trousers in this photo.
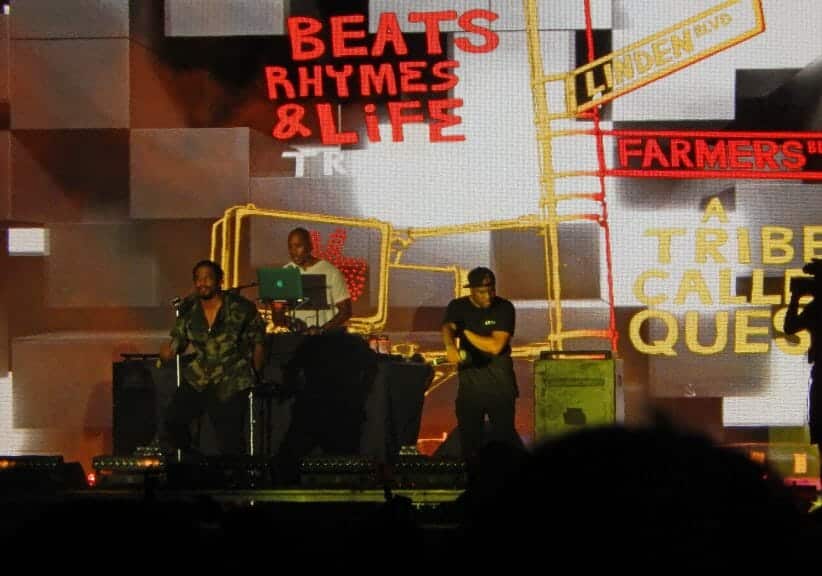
(227, 417)
(490, 390)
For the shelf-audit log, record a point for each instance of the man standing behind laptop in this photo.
(339, 299)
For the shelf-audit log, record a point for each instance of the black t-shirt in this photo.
(500, 316)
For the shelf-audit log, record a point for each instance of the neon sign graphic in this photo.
(660, 54)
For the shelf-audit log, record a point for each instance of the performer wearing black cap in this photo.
(476, 331)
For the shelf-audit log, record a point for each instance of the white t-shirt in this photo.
(336, 291)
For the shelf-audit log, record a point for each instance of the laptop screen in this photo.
(314, 291)
(279, 284)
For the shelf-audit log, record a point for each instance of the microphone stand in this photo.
(251, 416)
(177, 303)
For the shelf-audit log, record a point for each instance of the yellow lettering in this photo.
(692, 281)
(795, 344)
(590, 88)
(706, 246)
(639, 288)
(743, 330)
(692, 333)
(758, 296)
(661, 54)
(682, 44)
(743, 246)
(664, 346)
(623, 69)
(643, 61)
(665, 235)
(776, 245)
(714, 209)
(812, 248)
(726, 293)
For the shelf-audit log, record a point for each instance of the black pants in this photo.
(227, 417)
(490, 390)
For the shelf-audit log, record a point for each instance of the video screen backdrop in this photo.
(642, 175)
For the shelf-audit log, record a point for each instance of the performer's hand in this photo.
(452, 354)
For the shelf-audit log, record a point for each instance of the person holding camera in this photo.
(810, 319)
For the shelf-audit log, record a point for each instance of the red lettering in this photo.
(339, 35)
(466, 22)
(739, 150)
(389, 32)
(707, 158)
(794, 155)
(432, 27)
(372, 123)
(310, 85)
(290, 122)
(679, 153)
(653, 152)
(397, 118)
(278, 76)
(627, 150)
(409, 72)
(441, 70)
(764, 152)
(341, 77)
(301, 31)
(328, 128)
(381, 81)
(442, 119)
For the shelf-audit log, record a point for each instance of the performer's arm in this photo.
(493, 344)
(498, 340)
(342, 315)
(449, 338)
(794, 321)
(178, 341)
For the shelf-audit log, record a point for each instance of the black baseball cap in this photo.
(480, 276)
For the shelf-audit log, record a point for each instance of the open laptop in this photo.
(279, 284)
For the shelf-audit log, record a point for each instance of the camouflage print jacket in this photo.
(223, 355)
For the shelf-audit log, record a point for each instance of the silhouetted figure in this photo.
(652, 490)
(330, 375)
(810, 319)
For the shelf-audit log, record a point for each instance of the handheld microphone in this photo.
(182, 304)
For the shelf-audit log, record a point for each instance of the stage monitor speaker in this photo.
(36, 473)
(573, 390)
(142, 391)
